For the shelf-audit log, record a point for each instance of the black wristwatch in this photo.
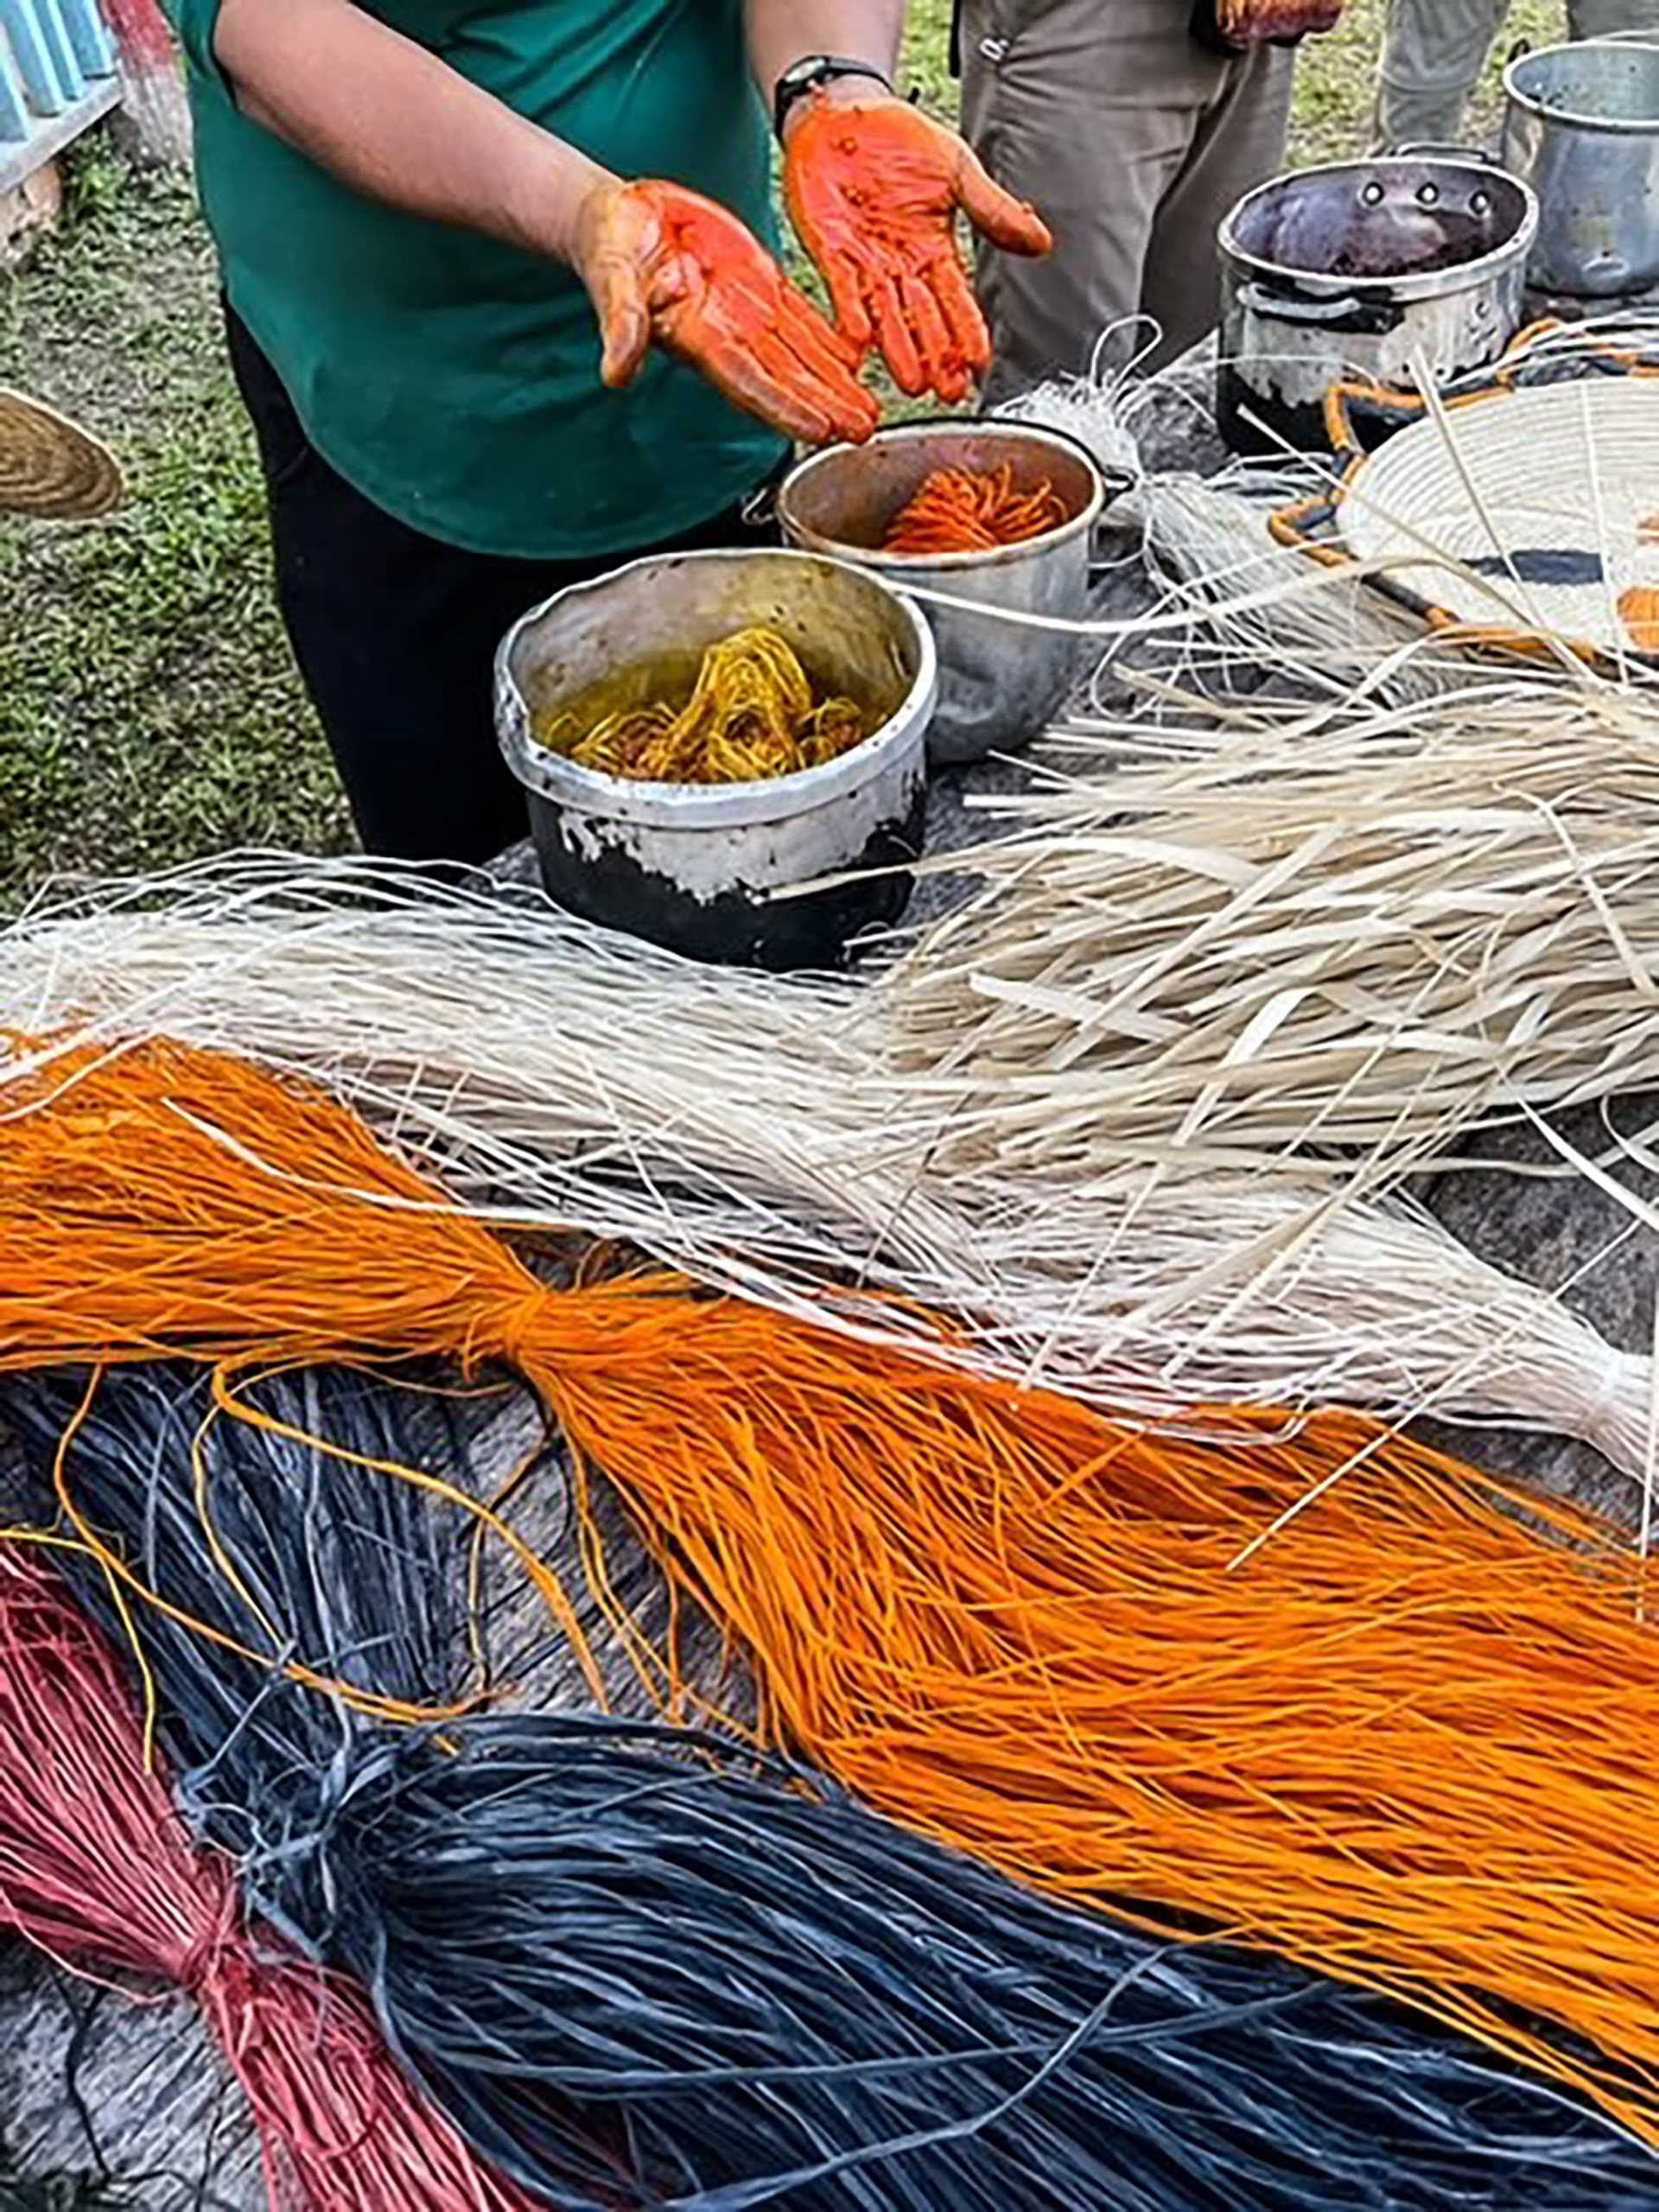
(808, 74)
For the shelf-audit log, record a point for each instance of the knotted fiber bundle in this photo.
(1409, 1745)
(748, 1974)
(740, 1127)
(96, 1869)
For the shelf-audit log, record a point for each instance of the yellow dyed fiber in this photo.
(752, 716)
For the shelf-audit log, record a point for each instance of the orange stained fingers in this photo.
(1011, 224)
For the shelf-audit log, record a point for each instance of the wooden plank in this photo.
(49, 140)
(89, 35)
(54, 32)
(15, 125)
(25, 33)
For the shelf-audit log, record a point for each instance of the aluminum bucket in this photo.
(696, 866)
(999, 683)
(1363, 269)
(1582, 126)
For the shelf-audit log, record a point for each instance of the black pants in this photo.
(396, 636)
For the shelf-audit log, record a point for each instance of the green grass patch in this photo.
(148, 708)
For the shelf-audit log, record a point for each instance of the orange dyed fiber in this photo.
(1411, 1743)
(973, 511)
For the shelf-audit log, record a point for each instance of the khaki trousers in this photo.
(1134, 143)
(1436, 49)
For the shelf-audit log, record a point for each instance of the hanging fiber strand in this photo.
(153, 95)
(739, 1128)
(96, 1869)
(742, 1970)
(1205, 542)
(1409, 1746)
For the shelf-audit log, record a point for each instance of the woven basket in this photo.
(50, 466)
(1548, 497)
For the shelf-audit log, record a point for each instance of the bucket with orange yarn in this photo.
(1001, 514)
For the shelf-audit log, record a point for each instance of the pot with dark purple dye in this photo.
(1365, 269)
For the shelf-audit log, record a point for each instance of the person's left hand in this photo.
(1235, 26)
(873, 188)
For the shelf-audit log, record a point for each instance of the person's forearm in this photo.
(399, 125)
(782, 32)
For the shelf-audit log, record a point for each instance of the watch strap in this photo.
(808, 76)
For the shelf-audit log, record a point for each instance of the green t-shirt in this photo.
(453, 380)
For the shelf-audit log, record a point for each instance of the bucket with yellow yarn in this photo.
(701, 734)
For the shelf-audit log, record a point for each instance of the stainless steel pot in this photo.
(1363, 268)
(1582, 126)
(998, 683)
(697, 866)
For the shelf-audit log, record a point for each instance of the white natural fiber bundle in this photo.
(751, 1130)
(1301, 940)
(1244, 608)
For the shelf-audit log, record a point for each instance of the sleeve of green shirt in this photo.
(195, 22)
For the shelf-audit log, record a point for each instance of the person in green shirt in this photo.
(502, 303)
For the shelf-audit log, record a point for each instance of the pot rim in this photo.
(1425, 284)
(1616, 126)
(658, 805)
(870, 560)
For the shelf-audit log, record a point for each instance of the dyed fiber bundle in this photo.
(1409, 1746)
(753, 713)
(741, 1129)
(1235, 26)
(750, 1978)
(974, 511)
(95, 1869)
(152, 80)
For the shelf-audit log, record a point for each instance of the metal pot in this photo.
(1583, 126)
(999, 683)
(1361, 268)
(696, 866)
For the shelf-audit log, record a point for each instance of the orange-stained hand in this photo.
(874, 190)
(1238, 25)
(664, 265)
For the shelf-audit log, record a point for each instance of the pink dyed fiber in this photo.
(97, 1869)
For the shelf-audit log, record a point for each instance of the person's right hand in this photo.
(665, 265)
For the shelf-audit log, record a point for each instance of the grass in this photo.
(149, 708)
